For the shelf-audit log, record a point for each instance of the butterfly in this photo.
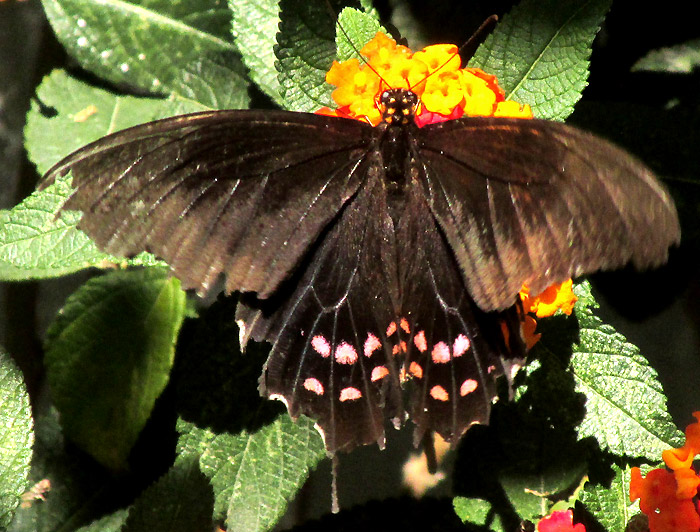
(373, 258)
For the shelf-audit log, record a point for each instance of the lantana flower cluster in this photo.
(434, 74)
(446, 92)
(669, 496)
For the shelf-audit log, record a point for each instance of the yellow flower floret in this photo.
(446, 91)
(556, 297)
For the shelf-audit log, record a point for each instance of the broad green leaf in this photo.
(357, 26)
(540, 53)
(108, 358)
(81, 113)
(16, 438)
(625, 404)
(181, 500)
(255, 26)
(611, 504)
(255, 474)
(305, 51)
(679, 59)
(123, 41)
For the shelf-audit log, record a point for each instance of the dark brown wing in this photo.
(237, 192)
(538, 202)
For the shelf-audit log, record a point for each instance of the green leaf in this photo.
(108, 358)
(540, 53)
(611, 504)
(679, 59)
(305, 51)
(123, 42)
(254, 474)
(83, 113)
(16, 438)
(181, 500)
(255, 24)
(625, 405)
(357, 26)
(477, 512)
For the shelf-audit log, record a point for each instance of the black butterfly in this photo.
(373, 256)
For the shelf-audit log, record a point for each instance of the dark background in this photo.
(657, 311)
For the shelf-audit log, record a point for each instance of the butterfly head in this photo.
(398, 106)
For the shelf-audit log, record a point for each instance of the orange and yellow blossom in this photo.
(667, 496)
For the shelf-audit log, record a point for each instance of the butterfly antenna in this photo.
(468, 48)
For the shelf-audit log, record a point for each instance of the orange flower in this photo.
(556, 297)
(666, 497)
(434, 74)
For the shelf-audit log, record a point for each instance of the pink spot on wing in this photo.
(345, 354)
(467, 387)
(491, 369)
(391, 329)
(461, 345)
(371, 344)
(421, 343)
(415, 370)
(379, 373)
(399, 348)
(321, 345)
(440, 353)
(350, 394)
(404, 325)
(439, 393)
(314, 385)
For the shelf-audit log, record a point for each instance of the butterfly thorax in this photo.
(398, 121)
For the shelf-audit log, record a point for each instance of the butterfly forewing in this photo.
(237, 192)
(537, 202)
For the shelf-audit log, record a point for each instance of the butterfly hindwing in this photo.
(206, 192)
(539, 202)
(454, 351)
(330, 356)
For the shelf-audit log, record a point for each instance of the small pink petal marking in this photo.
(345, 354)
(468, 387)
(321, 345)
(421, 343)
(391, 329)
(441, 353)
(405, 326)
(314, 385)
(415, 370)
(378, 373)
(350, 394)
(439, 393)
(461, 345)
(371, 344)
